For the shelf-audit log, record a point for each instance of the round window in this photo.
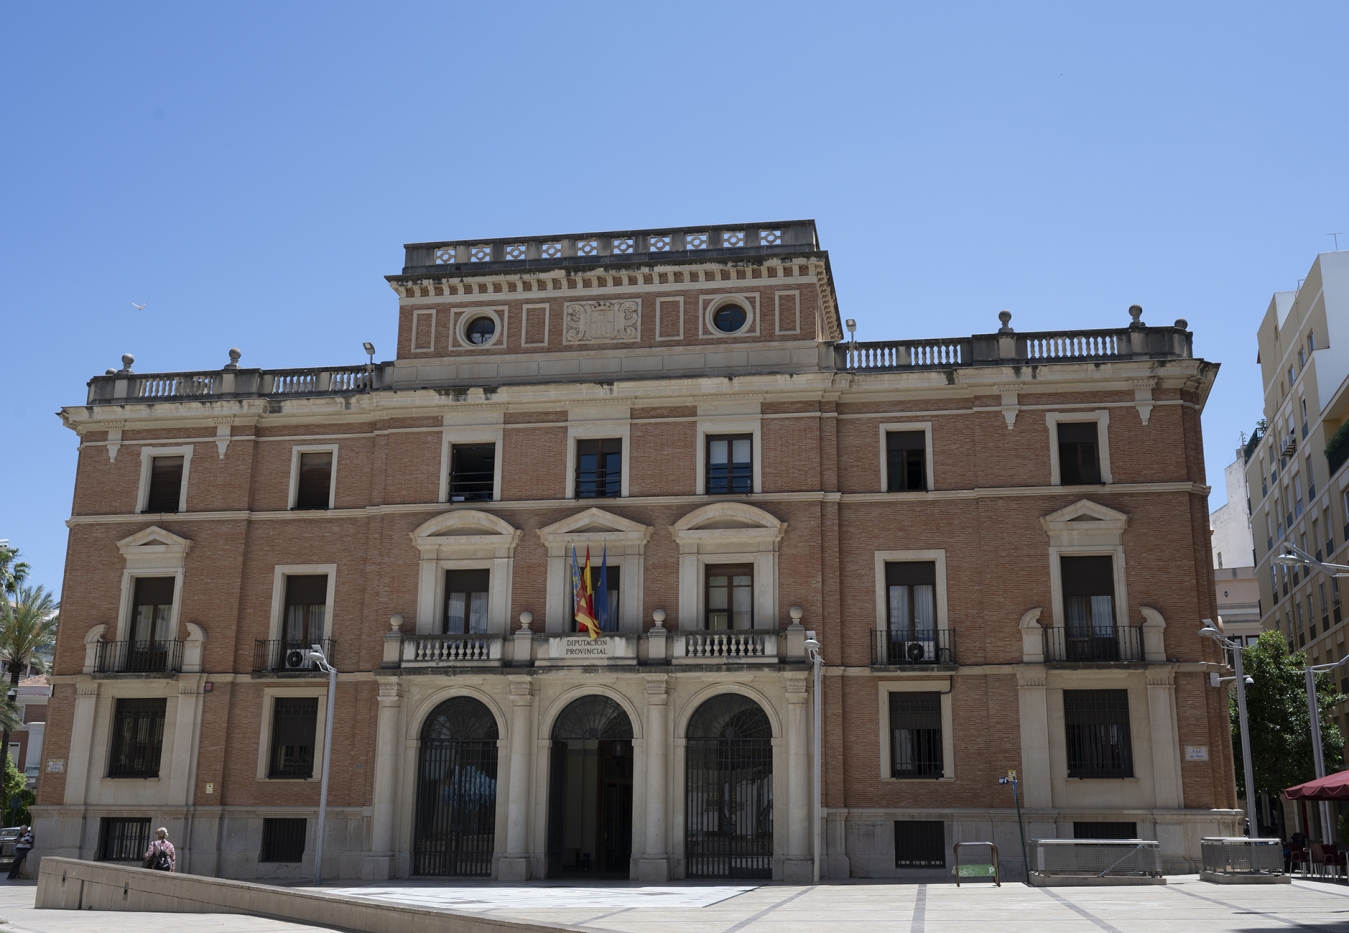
(729, 318)
(480, 330)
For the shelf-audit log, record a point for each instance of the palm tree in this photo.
(27, 632)
(12, 570)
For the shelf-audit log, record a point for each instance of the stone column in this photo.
(380, 863)
(1165, 738)
(81, 741)
(798, 867)
(514, 865)
(655, 864)
(1036, 783)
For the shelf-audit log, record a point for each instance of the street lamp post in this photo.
(321, 661)
(817, 663)
(1211, 631)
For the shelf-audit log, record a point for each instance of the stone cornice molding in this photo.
(733, 525)
(1085, 524)
(465, 532)
(595, 524)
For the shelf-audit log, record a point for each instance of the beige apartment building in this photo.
(999, 543)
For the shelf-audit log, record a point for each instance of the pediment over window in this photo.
(154, 548)
(622, 535)
(465, 532)
(1085, 523)
(153, 537)
(731, 523)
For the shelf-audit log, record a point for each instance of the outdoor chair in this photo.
(1299, 857)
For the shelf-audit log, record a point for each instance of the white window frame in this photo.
(710, 305)
(279, 575)
(935, 556)
(626, 541)
(756, 542)
(926, 428)
(461, 318)
(295, 472)
(1102, 418)
(715, 425)
(596, 430)
(678, 303)
(147, 461)
(465, 539)
(413, 346)
(466, 435)
(318, 690)
(152, 552)
(525, 311)
(1100, 534)
(777, 310)
(948, 740)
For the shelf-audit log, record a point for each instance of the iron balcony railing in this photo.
(919, 646)
(139, 657)
(281, 654)
(1094, 644)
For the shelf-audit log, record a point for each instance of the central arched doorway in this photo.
(455, 828)
(728, 825)
(590, 791)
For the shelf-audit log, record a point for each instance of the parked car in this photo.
(8, 836)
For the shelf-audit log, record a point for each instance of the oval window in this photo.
(480, 330)
(729, 318)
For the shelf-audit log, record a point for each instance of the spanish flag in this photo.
(585, 596)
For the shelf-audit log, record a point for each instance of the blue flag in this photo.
(602, 593)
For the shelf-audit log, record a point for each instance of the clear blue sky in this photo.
(251, 171)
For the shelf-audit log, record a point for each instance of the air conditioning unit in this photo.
(297, 659)
(1289, 446)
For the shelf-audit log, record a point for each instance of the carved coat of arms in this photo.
(593, 321)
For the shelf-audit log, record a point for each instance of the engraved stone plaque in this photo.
(603, 321)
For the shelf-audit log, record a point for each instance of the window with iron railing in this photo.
(599, 468)
(123, 838)
(294, 721)
(472, 472)
(137, 738)
(915, 735)
(920, 844)
(730, 464)
(283, 839)
(1099, 741)
(1104, 829)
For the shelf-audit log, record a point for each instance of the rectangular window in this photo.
(137, 738)
(920, 844)
(730, 597)
(123, 838)
(1311, 477)
(730, 464)
(915, 735)
(1079, 456)
(607, 613)
(1089, 608)
(1330, 533)
(1099, 741)
(166, 484)
(472, 472)
(314, 485)
(1297, 496)
(912, 589)
(294, 720)
(466, 601)
(599, 468)
(283, 840)
(306, 604)
(906, 456)
(151, 608)
(1104, 829)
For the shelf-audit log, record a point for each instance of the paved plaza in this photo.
(1184, 905)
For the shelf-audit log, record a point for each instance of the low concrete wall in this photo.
(72, 884)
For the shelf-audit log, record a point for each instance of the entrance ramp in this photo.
(73, 884)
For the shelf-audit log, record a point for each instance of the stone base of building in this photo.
(379, 867)
(513, 868)
(1217, 877)
(653, 870)
(798, 870)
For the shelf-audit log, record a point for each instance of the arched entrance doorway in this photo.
(455, 824)
(728, 825)
(590, 791)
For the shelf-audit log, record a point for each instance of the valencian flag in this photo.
(585, 596)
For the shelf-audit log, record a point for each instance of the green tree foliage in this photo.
(1280, 728)
(27, 633)
(12, 570)
(15, 790)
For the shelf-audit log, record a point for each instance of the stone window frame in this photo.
(918, 684)
(1101, 417)
(711, 423)
(626, 540)
(1100, 535)
(757, 541)
(318, 689)
(101, 736)
(710, 304)
(152, 552)
(279, 574)
(525, 310)
(147, 462)
(678, 302)
(294, 490)
(464, 539)
(599, 429)
(460, 318)
(777, 311)
(933, 555)
(413, 346)
(465, 435)
(900, 426)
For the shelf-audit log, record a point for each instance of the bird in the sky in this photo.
(139, 307)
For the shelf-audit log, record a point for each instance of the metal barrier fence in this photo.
(1235, 855)
(1099, 857)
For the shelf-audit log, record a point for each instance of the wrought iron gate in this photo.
(456, 791)
(728, 828)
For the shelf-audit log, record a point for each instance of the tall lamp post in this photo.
(1295, 556)
(817, 663)
(1211, 631)
(316, 655)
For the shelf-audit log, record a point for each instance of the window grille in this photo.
(1104, 829)
(599, 468)
(137, 738)
(730, 464)
(294, 720)
(915, 735)
(920, 844)
(123, 839)
(283, 840)
(1099, 740)
(472, 471)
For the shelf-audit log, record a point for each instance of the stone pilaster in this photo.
(380, 863)
(514, 865)
(798, 867)
(654, 865)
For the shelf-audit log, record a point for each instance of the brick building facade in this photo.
(999, 542)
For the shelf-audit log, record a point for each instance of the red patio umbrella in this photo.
(1331, 787)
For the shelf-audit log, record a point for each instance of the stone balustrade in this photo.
(736, 647)
(452, 650)
(524, 648)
